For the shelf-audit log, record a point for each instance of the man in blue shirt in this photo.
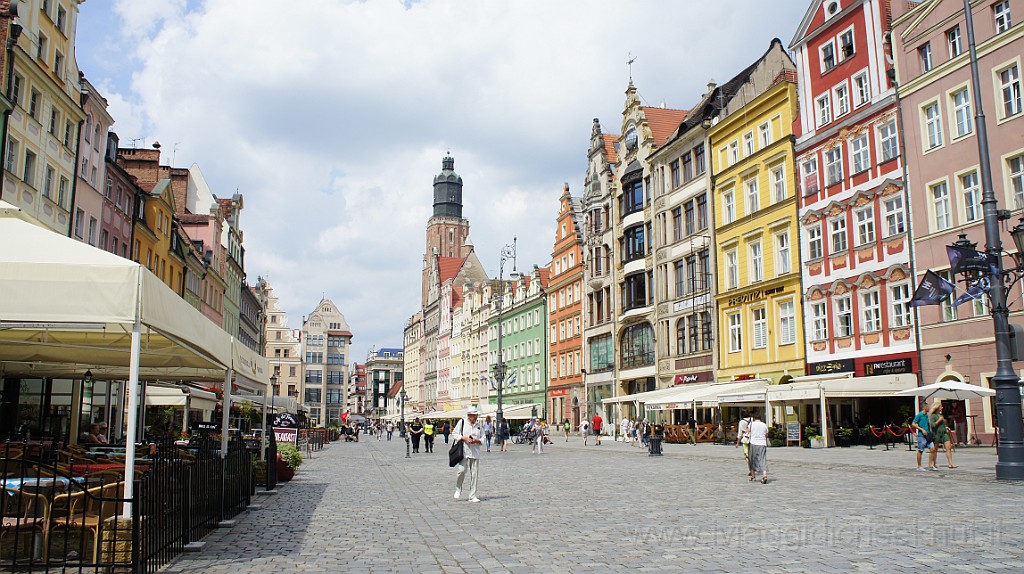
(924, 438)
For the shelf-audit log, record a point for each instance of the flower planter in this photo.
(817, 442)
(284, 472)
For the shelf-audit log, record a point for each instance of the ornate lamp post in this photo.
(507, 252)
(401, 431)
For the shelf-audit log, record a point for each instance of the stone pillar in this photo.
(116, 543)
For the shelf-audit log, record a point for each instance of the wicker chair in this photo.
(88, 511)
(23, 512)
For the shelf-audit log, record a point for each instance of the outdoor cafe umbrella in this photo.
(948, 390)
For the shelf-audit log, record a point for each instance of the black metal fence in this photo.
(70, 513)
(271, 466)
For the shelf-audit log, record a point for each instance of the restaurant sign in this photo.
(827, 367)
(755, 295)
(687, 378)
(890, 367)
(558, 392)
(286, 435)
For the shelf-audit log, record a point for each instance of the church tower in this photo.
(447, 230)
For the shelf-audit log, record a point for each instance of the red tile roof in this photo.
(663, 122)
(609, 147)
(456, 296)
(395, 388)
(193, 218)
(448, 267)
(545, 276)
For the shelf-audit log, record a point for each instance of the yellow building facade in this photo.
(157, 246)
(758, 300)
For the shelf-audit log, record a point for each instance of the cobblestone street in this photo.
(365, 508)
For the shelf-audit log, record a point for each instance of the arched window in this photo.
(637, 346)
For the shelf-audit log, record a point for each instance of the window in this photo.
(633, 243)
(1009, 85)
(729, 206)
(824, 110)
(734, 153)
(866, 225)
(972, 196)
(819, 322)
(677, 224)
(691, 223)
(900, 298)
(29, 176)
(92, 231)
(756, 262)
(732, 270)
(1001, 14)
(890, 144)
(779, 183)
(53, 120)
(954, 42)
(834, 165)
(782, 253)
(62, 192)
(924, 54)
(962, 112)
(698, 159)
(753, 195)
(33, 104)
(949, 312)
(828, 57)
(67, 133)
(814, 249)
(760, 323)
(766, 134)
(11, 161)
(844, 317)
(681, 337)
(637, 348)
(633, 197)
(735, 333)
(41, 50)
(62, 17)
(687, 166)
(787, 323)
(80, 224)
(810, 176)
(15, 93)
(842, 99)
(846, 44)
(676, 176)
(58, 64)
(838, 234)
(748, 144)
(861, 154)
(872, 312)
(861, 89)
(941, 206)
(894, 217)
(933, 125)
(702, 212)
(680, 276)
(634, 291)
(1016, 165)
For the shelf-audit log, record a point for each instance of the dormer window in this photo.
(832, 8)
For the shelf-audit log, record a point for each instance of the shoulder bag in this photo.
(455, 453)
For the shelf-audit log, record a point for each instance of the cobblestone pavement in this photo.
(364, 507)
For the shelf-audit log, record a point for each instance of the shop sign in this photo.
(211, 426)
(558, 392)
(691, 302)
(687, 378)
(744, 377)
(755, 295)
(890, 367)
(286, 420)
(827, 367)
(286, 435)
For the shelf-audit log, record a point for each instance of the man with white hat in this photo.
(471, 433)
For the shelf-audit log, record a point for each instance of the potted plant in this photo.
(288, 460)
(844, 437)
(776, 436)
(817, 441)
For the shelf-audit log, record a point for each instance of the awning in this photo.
(808, 388)
(641, 397)
(252, 371)
(707, 394)
(160, 396)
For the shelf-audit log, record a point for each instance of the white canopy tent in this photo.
(706, 394)
(67, 307)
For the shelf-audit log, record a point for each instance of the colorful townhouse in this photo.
(565, 309)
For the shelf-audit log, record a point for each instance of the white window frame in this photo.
(759, 326)
(844, 308)
(787, 322)
(924, 56)
(931, 115)
(888, 139)
(861, 90)
(954, 42)
(865, 218)
(749, 147)
(1008, 81)
(765, 130)
(825, 67)
(819, 321)
(735, 322)
(1015, 177)
(753, 194)
(756, 253)
(842, 53)
(807, 169)
(899, 305)
(970, 190)
(783, 252)
(823, 109)
(814, 241)
(860, 153)
(834, 165)
(841, 93)
(838, 239)
(871, 311)
(729, 206)
(1001, 16)
(941, 205)
(732, 269)
(779, 183)
(961, 122)
(734, 153)
(895, 215)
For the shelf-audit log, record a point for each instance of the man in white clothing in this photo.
(471, 433)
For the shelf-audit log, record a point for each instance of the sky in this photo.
(331, 118)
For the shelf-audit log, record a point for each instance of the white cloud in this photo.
(332, 118)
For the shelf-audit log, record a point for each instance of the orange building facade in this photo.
(566, 395)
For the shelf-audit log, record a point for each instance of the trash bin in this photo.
(655, 444)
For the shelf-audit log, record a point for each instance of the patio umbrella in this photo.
(948, 390)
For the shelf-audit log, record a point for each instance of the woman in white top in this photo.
(759, 449)
(471, 433)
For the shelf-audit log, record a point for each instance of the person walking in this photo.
(691, 429)
(624, 429)
(537, 434)
(925, 441)
(488, 431)
(758, 459)
(566, 427)
(743, 437)
(503, 435)
(428, 436)
(940, 432)
(415, 432)
(391, 429)
(585, 430)
(471, 433)
(596, 425)
(446, 430)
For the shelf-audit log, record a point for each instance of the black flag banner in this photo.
(932, 290)
(962, 260)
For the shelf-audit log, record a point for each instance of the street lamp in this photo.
(401, 431)
(267, 425)
(1010, 451)
(507, 252)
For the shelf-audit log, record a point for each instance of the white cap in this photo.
(473, 411)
